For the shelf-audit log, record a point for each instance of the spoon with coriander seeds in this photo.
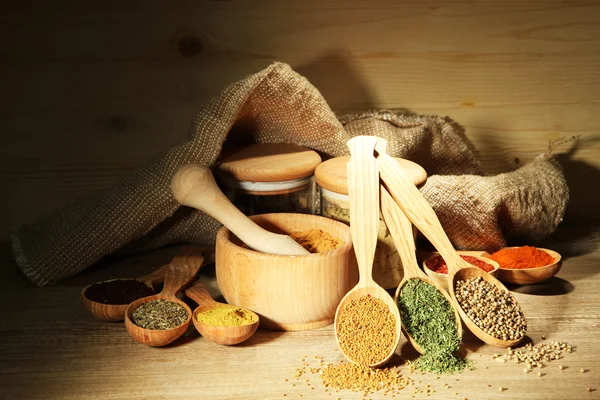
(367, 323)
(219, 322)
(485, 305)
(162, 318)
(417, 290)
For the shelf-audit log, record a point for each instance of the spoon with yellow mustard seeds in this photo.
(367, 321)
(422, 215)
(219, 322)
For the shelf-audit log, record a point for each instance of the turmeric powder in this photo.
(227, 316)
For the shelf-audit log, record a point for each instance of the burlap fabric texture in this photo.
(278, 105)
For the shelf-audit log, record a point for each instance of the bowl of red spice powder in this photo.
(526, 264)
(435, 267)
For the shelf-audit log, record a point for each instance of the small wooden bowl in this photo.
(151, 337)
(287, 292)
(531, 275)
(442, 279)
(106, 312)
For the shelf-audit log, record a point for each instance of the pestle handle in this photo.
(363, 190)
(194, 186)
(199, 294)
(416, 208)
(401, 231)
(180, 272)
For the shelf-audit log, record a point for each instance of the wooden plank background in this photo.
(91, 90)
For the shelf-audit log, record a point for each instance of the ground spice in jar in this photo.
(118, 291)
(226, 316)
(316, 240)
(522, 257)
(159, 315)
(430, 320)
(366, 330)
(438, 264)
(493, 310)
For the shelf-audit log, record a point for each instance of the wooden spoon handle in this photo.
(199, 294)
(180, 272)
(416, 208)
(155, 277)
(194, 186)
(363, 191)
(401, 230)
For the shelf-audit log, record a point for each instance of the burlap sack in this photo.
(277, 105)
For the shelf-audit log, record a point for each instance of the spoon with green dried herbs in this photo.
(485, 305)
(108, 300)
(160, 319)
(429, 320)
(219, 322)
(194, 186)
(367, 321)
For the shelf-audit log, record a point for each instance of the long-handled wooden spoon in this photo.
(420, 213)
(227, 335)
(194, 186)
(180, 272)
(116, 312)
(363, 190)
(401, 230)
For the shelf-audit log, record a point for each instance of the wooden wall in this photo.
(89, 90)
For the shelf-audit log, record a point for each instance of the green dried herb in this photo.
(429, 318)
(159, 315)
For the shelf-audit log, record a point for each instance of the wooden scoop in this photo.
(227, 335)
(194, 186)
(116, 312)
(363, 190)
(401, 230)
(420, 213)
(180, 272)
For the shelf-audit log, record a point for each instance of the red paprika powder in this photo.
(437, 264)
(522, 257)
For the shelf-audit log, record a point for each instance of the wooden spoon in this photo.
(116, 312)
(180, 272)
(420, 213)
(401, 230)
(363, 190)
(227, 335)
(194, 186)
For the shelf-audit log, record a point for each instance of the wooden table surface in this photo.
(51, 348)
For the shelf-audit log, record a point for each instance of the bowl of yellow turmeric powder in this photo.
(289, 292)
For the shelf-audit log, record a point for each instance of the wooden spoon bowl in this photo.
(473, 272)
(226, 335)
(116, 312)
(528, 276)
(180, 272)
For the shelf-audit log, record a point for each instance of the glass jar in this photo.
(270, 178)
(331, 177)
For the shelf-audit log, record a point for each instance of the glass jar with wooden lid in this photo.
(269, 178)
(332, 180)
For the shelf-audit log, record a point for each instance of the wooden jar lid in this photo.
(270, 162)
(332, 174)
